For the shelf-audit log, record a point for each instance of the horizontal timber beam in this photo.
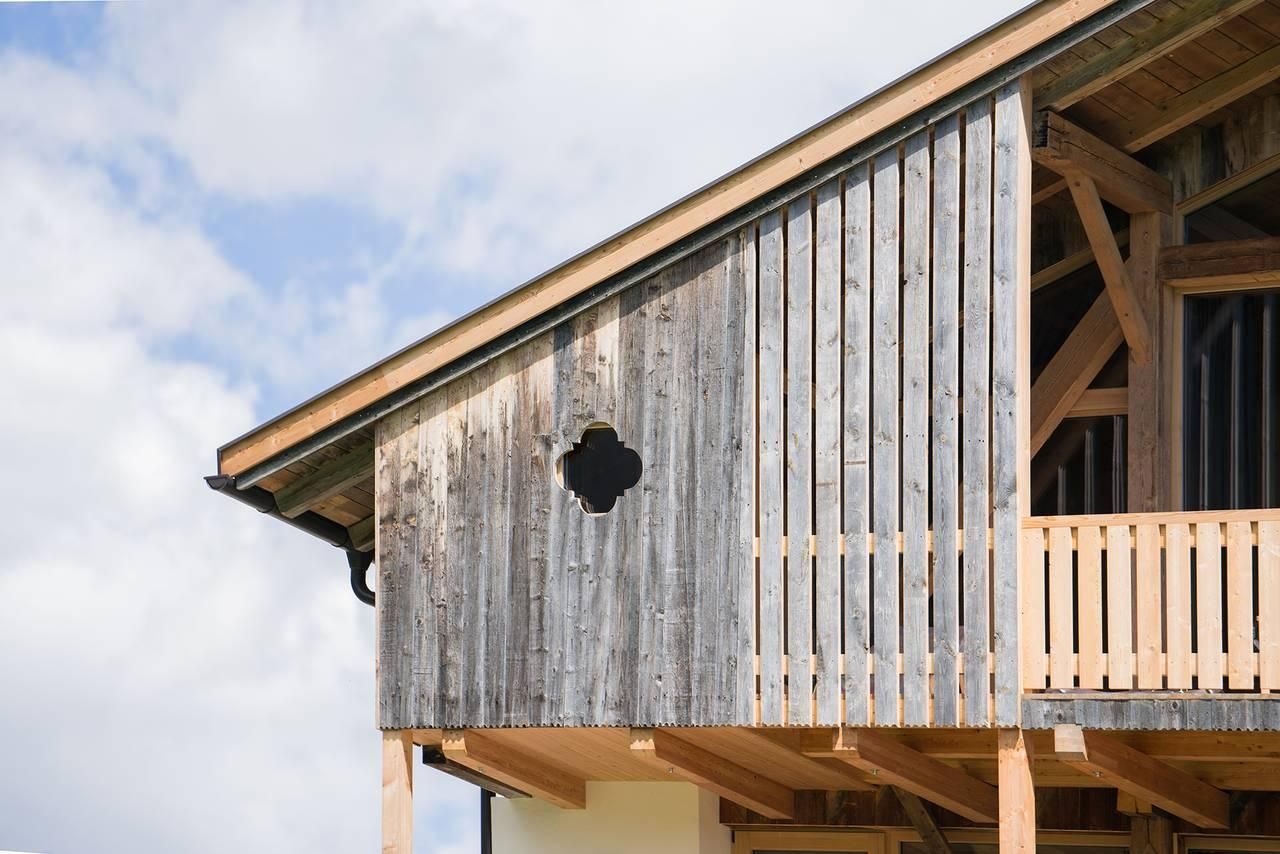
(1070, 150)
(895, 764)
(1115, 763)
(331, 478)
(1136, 51)
(1233, 264)
(712, 772)
(1085, 352)
(1097, 402)
(512, 768)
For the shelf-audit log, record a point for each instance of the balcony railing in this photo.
(1152, 602)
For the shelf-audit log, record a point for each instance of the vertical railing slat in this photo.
(1269, 605)
(1240, 605)
(1061, 617)
(1208, 605)
(1177, 599)
(799, 459)
(1147, 614)
(1033, 616)
(770, 309)
(1092, 666)
(885, 429)
(1119, 609)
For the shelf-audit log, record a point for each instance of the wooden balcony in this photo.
(1180, 607)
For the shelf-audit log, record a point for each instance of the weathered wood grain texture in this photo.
(976, 384)
(826, 456)
(799, 459)
(945, 423)
(509, 604)
(885, 427)
(1010, 382)
(915, 431)
(770, 391)
(857, 423)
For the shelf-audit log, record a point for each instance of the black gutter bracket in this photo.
(312, 523)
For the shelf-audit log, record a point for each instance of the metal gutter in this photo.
(313, 523)
(694, 242)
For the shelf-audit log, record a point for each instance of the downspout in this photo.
(486, 821)
(313, 523)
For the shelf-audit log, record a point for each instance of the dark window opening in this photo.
(599, 469)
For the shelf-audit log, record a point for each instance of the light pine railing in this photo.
(1152, 601)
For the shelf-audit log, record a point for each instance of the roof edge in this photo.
(971, 61)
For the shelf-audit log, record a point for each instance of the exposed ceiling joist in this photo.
(512, 768)
(895, 764)
(333, 477)
(1223, 264)
(1085, 352)
(1119, 285)
(1135, 52)
(712, 772)
(1171, 789)
(1070, 150)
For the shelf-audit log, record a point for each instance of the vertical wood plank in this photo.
(546, 496)
(826, 455)
(635, 339)
(1061, 616)
(1239, 605)
(885, 428)
(1177, 599)
(799, 460)
(857, 397)
(1017, 792)
(1147, 612)
(1119, 609)
(771, 473)
(394, 600)
(519, 631)
(915, 431)
(498, 443)
(1033, 609)
(1010, 381)
(567, 530)
(1269, 605)
(976, 376)
(749, 504)
(945, 423)
(456, 557)
(1089, 620)
(1208, 605)
(397, 792)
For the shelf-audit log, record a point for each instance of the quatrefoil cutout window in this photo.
(599, 469)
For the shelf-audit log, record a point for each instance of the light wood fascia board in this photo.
(512, 768)
(882, 110)
(713, 772)
(1136, 51)
(1119, 765)
(895, 764)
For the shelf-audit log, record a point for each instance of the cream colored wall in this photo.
(620, 818)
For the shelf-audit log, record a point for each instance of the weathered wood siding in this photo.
(501, 602)
(826, 405)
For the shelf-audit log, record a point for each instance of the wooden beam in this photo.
(1233, 264)
(331, 478)
(1136, 51)
(512, 768)
(1148, 453)
(898, 765)
(1116, 764)
(1127, 804)
(785, 753)
(1017, 793)
(713, 773)
(1085, 352)
(397, 791)
(1120, 288)
(1046, 276)
(1071, 150)
(1134, 133)
(1097, 402)
(923, 822)
(1150, 834)
(361, 534)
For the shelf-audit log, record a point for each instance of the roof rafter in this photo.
(333, 477)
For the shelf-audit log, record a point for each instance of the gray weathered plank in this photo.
(885, 428)
(826, 453)
(975, 373)
(518, 633)
(770, 309)
(857, 396)
(799, 459)
(945, 423)
(545, 497)
(1010, 272)
(742, 627)
(915, 431)
(394, 589)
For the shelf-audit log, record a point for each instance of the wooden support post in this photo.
(1148, 452)
(1017, 793)
(1150, 834)
(397, 791)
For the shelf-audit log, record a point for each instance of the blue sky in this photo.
(210, 211)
